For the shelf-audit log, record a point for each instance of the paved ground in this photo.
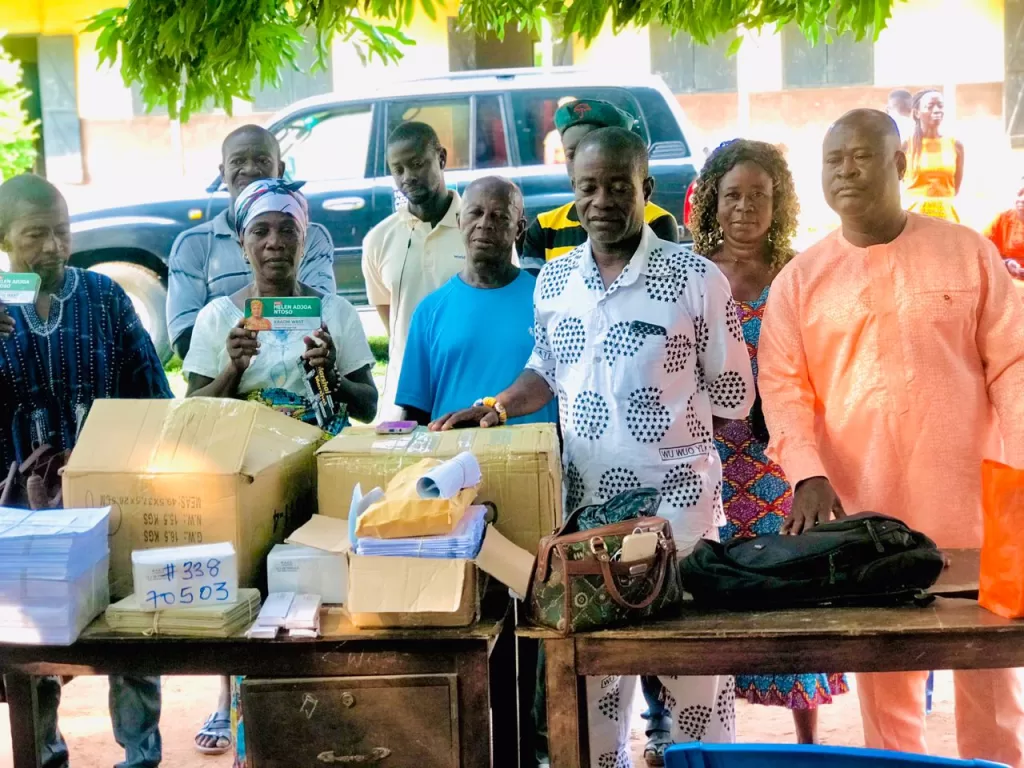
(186, 701)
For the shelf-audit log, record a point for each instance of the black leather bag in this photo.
(863, 559)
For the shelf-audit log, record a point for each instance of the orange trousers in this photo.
(989, 713)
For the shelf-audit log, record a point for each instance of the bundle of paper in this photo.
(55, 544)
(463, 543)
(212, 620)
(272, 616)
(53, 573)
(303, 619)
(299, 614)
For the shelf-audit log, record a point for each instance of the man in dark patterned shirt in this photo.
(80, 341)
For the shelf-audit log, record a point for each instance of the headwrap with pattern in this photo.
(271, 195)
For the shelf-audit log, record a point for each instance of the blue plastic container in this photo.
(697, 755)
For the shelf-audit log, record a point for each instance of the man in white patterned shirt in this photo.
(640, 341)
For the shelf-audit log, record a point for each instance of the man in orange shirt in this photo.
(891, 364)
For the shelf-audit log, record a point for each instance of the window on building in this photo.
(689, 67)
(1013, 80)
(843, 60)
(139, 107)
(449, 117)
(563, 54)
(310, 146)
(295, 84)
(539, 142)
(160, 110)
(468, 50)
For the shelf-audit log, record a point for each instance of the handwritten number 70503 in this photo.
(217, 592)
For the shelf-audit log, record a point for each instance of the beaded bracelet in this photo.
(490, 402)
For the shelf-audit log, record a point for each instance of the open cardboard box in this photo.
(520, 466)
(417, 591)
(193, 471)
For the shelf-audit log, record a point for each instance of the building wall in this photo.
(952, 45)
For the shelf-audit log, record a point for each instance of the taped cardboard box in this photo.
(193, 471)
(522, 473)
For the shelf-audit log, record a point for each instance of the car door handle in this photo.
(344, 204)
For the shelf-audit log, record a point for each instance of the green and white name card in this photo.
(286, 313)
(19, 287)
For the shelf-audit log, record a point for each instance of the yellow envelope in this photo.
(403, 514)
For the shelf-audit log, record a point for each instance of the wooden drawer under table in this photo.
(406, 721)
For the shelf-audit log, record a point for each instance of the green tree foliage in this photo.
(185, 53)
(17, 134)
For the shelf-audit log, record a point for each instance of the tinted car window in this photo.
(539, 143)
(310, 144)
(667, 140)
(491, 147)
(449, 117)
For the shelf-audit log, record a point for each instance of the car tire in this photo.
(149, 298)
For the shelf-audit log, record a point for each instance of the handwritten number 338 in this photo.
(194, 569)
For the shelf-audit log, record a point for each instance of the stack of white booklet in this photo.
(299, 614)
(53, 573)
(303, 619)
(463, 543)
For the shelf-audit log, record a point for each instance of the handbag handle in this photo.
(604, 561)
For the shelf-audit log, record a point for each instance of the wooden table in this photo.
(951, 633)
(479, 660)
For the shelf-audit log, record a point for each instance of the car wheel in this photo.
(149, 297)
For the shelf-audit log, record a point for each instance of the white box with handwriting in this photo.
(181, 577)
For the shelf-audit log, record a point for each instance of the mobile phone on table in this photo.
(396, 427)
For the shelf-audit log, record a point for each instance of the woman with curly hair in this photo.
(744, 217)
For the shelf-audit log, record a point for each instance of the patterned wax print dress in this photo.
(756, 500)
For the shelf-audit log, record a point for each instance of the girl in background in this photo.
(935, 163)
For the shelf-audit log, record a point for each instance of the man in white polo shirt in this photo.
(415, 250)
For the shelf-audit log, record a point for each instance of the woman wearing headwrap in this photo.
(227, 360)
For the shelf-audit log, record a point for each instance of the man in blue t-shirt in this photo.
(491, 300)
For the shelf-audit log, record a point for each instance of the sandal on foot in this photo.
(654, 752)
(217, 726)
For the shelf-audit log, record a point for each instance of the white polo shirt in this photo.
(404, 260)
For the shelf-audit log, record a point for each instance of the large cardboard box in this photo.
(193, 471)
(522, 471)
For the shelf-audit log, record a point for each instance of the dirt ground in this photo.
(86, 724)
